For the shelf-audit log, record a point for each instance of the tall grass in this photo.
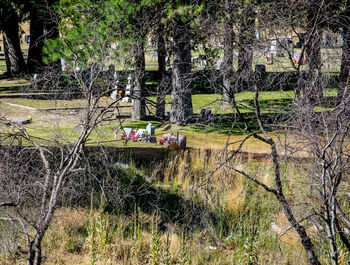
(227, 220)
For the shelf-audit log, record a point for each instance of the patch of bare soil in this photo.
(40, 118)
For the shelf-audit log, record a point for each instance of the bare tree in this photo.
(277, 190)
(50, 177)
(37, 180)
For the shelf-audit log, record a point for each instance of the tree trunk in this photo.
(51, 31)
(38, 257)
(139, 110)
(35, 56)
(34, 252)
(31, 254)
(345, 60)
(181, 96)
(161, 90)
(12, 48)
(311, 83)
(227, 66)
(245, 51)
(313, 88)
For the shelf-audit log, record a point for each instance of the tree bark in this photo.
(181, 96)
(245, 49)
(161, 90)
(34, 251)
(35, 56)
(311, 79)
(51, 31)
(31, 254)
(227, 66)
(38, 257)
(12, 48)
(345, 60)
(139, 109)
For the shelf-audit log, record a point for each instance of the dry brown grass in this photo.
(65, 240)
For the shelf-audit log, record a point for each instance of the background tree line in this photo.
(179, 28)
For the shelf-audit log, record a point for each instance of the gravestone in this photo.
(194, 60)
(218, 64)
(64, 66)
(281, 45)
(297, 56)
(328, 42)
(204, 116)
(128, 91)
(202, 64)
(182, 142)
(115, 94)
(275, 49)
(340, 39)
(150, 129)
(260, 70)
(26, 38)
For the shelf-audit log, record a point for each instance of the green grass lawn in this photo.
(197, 136)
(48, 125)
(270, 101)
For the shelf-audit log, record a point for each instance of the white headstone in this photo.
(203, 64)
(128, 91)
(218, 64)
(63, 64)
(150, 129)
(297, 56)
(114, 94)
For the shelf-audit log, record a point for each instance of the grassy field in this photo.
(271, 101)
(61, 124)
